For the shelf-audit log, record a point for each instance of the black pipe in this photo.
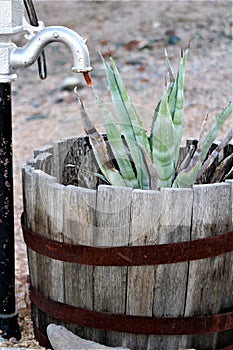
(8, 315)
(31, 12)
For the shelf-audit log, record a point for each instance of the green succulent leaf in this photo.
(176, 85)
(131, 125)
(151, 164)
(176, 104)
(169, 69)
(215, 128)
(175, 100)
(117, 145)
(100, 149)
(162, 141)
(188, 176)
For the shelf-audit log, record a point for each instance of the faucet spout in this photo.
(27, 55)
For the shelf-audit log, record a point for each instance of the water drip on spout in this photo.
(87, 78)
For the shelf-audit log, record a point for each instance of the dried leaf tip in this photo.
(87, 123)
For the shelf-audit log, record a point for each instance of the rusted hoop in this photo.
(43, 339)
(129, 255)
(132, 324)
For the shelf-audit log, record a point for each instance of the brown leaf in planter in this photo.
(184, 164)
(223, 169)
(214, 154)
(153, 173)
(229, 175)
(97, 139)
(99, 147)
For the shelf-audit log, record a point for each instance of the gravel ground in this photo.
(135, 33)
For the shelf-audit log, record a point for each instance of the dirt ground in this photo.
(135, 33)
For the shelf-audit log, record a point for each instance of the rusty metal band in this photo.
(132, 324)
(130, 255)
(41, 337)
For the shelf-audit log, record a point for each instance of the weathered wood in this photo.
(44, 162)
(226, 298)
(230, 182)
(175, 214)
(79, 222)
(208, 290)
(112, 229)
(182, 154)
(36, 203)
(55, 211)
(44, 264)
(74, 162)
(29, 220)
(30, 162)
(50, 271)
(43, 149)
(114, 216)
(60, 150)
(141, 279)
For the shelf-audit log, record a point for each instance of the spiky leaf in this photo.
(188, 176)
(176, 104)
(100, 149)
(117, 146)
(216, 126)
(131, 125)
(162, 141)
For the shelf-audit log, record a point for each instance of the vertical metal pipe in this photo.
(8, 314)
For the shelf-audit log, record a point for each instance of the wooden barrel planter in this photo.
(141, 269)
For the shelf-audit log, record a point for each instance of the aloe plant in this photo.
(150, 163)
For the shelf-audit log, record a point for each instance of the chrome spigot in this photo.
(13, 57)
(27, 55)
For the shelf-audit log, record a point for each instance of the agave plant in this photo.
(150, 163)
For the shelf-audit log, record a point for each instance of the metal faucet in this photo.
(26, 56)
(12, 21)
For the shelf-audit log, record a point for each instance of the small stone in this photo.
(171, 37)
(156, 24)
(71, 82)
(61, 338)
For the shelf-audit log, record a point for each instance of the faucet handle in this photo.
(31, 12)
